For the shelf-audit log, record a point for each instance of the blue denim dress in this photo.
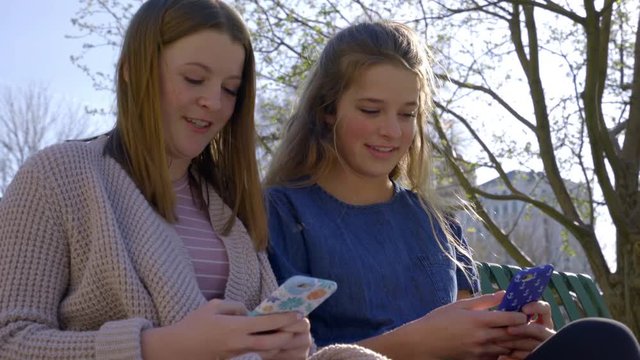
(389, 265)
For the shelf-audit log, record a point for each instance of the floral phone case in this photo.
(298, 293)
(526, 286)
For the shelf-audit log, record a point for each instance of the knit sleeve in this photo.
(34, 273)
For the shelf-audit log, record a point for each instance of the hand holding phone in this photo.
(298, 293)
(526, 286)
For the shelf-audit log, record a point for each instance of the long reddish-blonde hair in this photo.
(228, 163)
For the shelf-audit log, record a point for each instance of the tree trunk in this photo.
(623, 298)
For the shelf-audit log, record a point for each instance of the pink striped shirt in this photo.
(207, 252)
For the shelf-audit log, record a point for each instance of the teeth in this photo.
(198, 123)
(382, 148)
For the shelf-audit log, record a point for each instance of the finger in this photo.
(501, 318)
(262, 323)
(299, 341)
(482, 302)
(493, 351)
(526, 344)
(226, 307)
(300, 326)
(520, 355)
(504, 337)
(542, 310)
(269, 342)
(533, 330)
(495, 336)
(537, 307)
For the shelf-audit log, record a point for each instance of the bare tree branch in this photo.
(31, 119)
(494, 96)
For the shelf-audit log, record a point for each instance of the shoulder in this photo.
(291, 202)
(276, 191)
(410, 201)
(281, 195)
(64, 165)
(279, 198)
(65, 156)
(286, 190)
(52, 175)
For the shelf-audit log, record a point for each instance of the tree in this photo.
(561, 78)
(523, 222)
(588, 122)
(31, 119)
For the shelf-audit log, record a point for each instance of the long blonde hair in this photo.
(307, 146)
(308, 150)
(228, 163)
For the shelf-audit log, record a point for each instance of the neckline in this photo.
(181, 182)
(396, 190)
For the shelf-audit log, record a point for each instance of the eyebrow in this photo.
(208, 70)
(378, 101)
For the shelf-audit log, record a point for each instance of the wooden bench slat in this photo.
(556, 315)
(502, 277)
(486, 285)
(595, 295)
(568, 301)
(583, 297)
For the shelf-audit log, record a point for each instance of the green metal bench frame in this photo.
(571, 296)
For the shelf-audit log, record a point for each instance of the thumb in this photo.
(482, 302)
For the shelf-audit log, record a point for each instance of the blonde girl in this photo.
(350, 199)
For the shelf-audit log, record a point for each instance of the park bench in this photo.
(571, 296)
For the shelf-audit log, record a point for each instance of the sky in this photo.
(35, 51)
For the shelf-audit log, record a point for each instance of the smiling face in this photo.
(376, 121)
(200, 77)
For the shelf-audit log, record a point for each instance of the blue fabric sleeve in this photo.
(287, 250)
(468, 278)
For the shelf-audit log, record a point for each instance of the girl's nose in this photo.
(211, 99)
(390, 126)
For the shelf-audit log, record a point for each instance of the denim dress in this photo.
(392, 264)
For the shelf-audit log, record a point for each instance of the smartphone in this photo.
(298, 293)
(526, 286)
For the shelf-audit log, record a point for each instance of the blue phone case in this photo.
(298, 293)
(526, 286)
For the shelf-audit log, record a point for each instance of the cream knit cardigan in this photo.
(86, 264)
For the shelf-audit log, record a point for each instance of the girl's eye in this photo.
(230, 91)
(410, 115)
(193, 81)
(369, 111)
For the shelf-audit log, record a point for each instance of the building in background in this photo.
(538, 235)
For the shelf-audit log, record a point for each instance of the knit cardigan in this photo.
(86, 263)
